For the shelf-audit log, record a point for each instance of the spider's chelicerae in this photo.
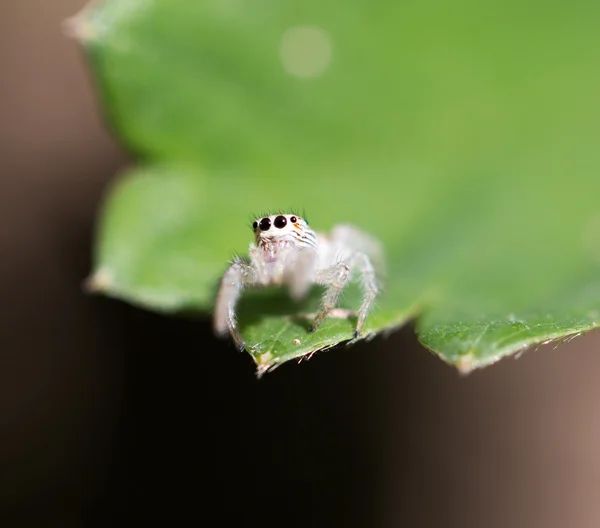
(288, 252)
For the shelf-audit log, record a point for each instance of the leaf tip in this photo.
(265, 363)
(265, 358)
(79, 26)
(466, 364)
(98, 282)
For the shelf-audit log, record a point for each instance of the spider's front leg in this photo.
(364, 255)
(334, 279)
(239, 275)
(369, 288)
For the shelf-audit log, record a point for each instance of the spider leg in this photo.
(335, 279)
(363, 253)
(239, 275)
(369, 286)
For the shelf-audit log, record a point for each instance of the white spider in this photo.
(288, 252)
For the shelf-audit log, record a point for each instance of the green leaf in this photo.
(463, 136)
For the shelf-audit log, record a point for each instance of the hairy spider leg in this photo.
(334, 279)
(368, 282)
(238, 275)
(363, 255)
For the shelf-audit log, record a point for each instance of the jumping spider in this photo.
(288, 252)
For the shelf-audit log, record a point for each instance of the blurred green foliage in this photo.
(463, 135)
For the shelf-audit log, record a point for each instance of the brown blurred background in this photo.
(110, 415)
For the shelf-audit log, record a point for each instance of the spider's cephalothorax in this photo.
(287, 251)
(277, 238)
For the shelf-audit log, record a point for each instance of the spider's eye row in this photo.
(280, 222)
(255, 224)
(265, 224)
(293, 219)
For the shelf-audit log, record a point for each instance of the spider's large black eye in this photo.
(255, 224)
(293, 219)
(265, 223)
(280, 222)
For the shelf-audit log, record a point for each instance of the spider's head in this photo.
(274, 229)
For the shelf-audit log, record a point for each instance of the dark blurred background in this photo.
(113, 416)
